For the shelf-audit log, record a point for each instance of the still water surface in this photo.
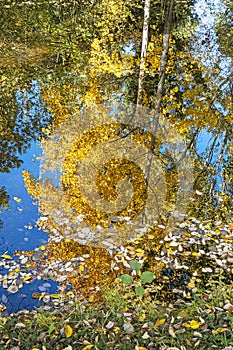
(19, 230)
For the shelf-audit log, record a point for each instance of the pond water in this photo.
(45, 64)
(19, 230)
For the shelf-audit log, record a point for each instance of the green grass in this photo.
(129, 323)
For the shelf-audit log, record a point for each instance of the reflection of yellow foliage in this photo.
(96, 270)
(107, 179)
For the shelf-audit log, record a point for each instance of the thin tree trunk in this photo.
(159, 93)
(143, 51)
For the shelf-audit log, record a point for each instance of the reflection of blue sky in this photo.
(19, 230)
(210, 55)
(23, 213)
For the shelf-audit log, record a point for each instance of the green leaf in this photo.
(135, 265)
(147, 277)
(127, 279)
(139, 291)
(51, 328)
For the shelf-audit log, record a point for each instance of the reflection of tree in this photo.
(4, 198)
(69, 42)
(21, 121)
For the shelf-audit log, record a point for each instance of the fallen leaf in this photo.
(69, 347)
(19, 325)
(12, 289)
(219, 330)
(128, 328)
(159, 322)
(109, 325)
(68, 331)
(17, 199)
(90, 346)
(55, 296)
(191, 285)
(5, 256)
(145, 336)
(195, 324)
(171, 332)
(91, 298)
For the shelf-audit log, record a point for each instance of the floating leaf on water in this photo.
(4, 299)
(55, 296)
(5, 256)
(24, 260)
(27, 278)
(17, 199)
(36, 295)
(46, 285)
(12, 289)
(42, 289)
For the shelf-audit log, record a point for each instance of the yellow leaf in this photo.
(151, 237)
(27, 278)
(16, 199)
(5, 256)
(219, 330)
(159, 322)
(68, 331)
(191, 285)
(142, 317)
(185, 324)
(43, 247)
(90, 346)
(55, 296)
(139, 250)
(91, 299)
(195, 254)
(81, 268)
(195, 324)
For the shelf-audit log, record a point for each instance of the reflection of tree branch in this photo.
(220, 86)
(220, 156)
(158, 100)
(210, 156)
